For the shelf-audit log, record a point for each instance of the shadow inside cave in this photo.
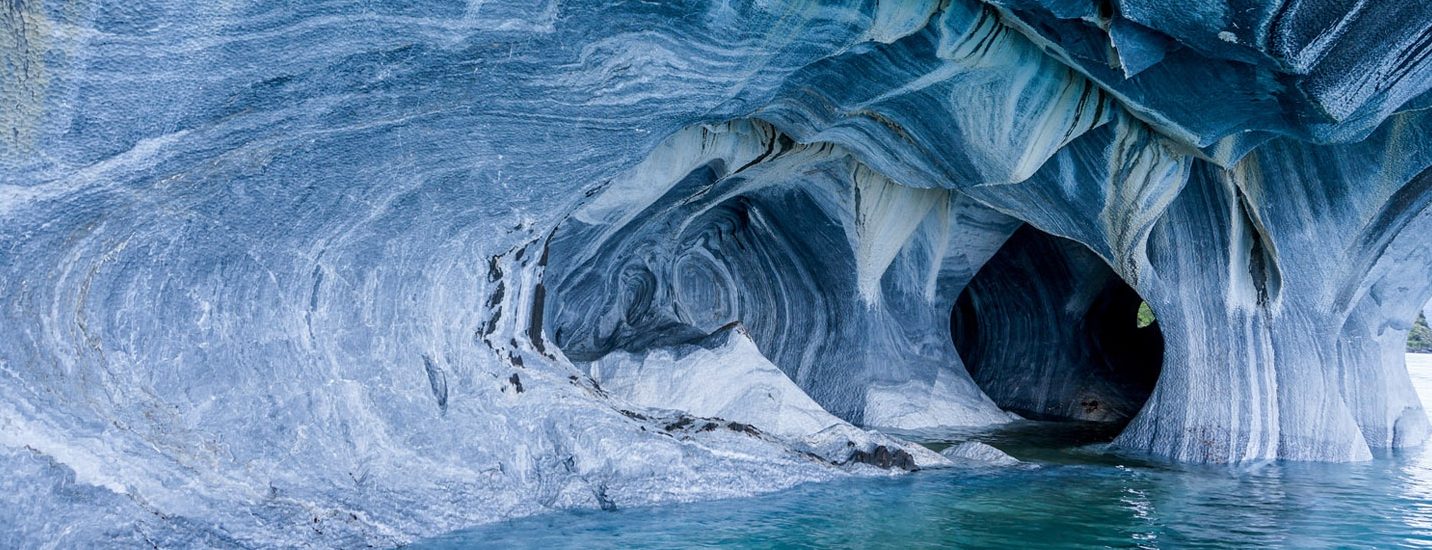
(1047, 330)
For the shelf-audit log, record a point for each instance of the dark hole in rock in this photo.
(1048, 331)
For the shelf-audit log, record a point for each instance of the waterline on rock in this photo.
(1068, 492)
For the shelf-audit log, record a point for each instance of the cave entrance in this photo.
(1048, 331)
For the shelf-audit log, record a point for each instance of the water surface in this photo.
(1071, 495)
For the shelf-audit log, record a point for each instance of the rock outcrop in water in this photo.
(337, 273)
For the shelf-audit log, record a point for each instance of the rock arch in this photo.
(1048, 331)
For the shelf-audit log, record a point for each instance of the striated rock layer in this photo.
(351, 273)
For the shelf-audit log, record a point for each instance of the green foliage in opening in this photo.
(1146, 315)
(1419, 339)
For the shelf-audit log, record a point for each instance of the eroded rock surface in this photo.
(724, 376)
(327, 274)
(976, 453)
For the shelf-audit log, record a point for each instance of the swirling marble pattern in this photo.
(848, 297)
(331, 274)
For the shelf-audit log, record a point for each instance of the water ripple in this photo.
(1077, 498)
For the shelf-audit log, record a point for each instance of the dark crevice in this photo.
(1048, 331)
(437, 380)
(1263, 269)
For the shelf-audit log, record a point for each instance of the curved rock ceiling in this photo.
(350, 273)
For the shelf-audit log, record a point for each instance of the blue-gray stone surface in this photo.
(335, 273)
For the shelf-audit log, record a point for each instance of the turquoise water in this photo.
(1071, 496)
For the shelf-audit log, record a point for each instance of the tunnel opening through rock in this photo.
(1048, 331)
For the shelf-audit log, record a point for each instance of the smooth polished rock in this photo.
(1226, 74)
(321, 274)
(974, 452)
(843, 278)
(722, 375)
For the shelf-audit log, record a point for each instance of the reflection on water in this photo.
(1071, 495)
